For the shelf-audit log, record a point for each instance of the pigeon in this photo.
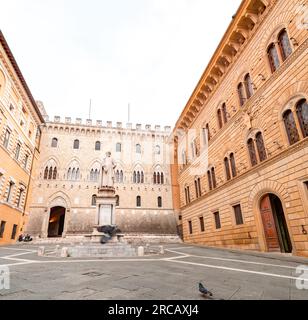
(204, 291)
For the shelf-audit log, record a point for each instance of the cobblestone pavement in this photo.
(174, 276)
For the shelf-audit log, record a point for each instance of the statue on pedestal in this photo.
(108, 173)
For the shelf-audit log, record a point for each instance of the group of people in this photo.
(25, 238)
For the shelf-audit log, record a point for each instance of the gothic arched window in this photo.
(117, 200)
(224, 113)
(241, 94)
(154, 178)
(273, 57)
(233, 165)
(135, 177)
(261, 146)
(46, 173)
(209, 178)
(284, 44)
(162, 178)
(248, 85)
(214, 178)
(291, 128)
(227, 168)
(252, 152)
(55, 172)
(219, 117)
(302, 114)
(118, 147)
(50, 173)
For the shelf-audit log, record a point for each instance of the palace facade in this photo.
(20, 119)
(69, 171)
(241, 142)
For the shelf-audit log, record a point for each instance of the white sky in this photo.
(149, 53)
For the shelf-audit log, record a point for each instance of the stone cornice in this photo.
(199, 90)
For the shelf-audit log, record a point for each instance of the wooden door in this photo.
(269, 224)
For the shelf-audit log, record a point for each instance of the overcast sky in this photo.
(149, 53)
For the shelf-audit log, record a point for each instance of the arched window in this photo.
(138, 201)
(55, 172)
(291, 128)
(302, 114)
(96, 175)
(69, 174)
(233, 165)
(159, 202)
(162, 178)
(118, 147)
(209, 179)
(241, 94)
(154, 178)
(224, 113)
(121, 176)
(117, 176)
(54, 143)
(219, 117)
(158, 178)
(117, 200)
(142, 177)
(135, 177)
(77, 174)
(198, 187)
(73, 174)
(207, 127)
(273, 57)
(97, 146)
(50, 173)
(214, 178)
(261, 146)
(252, 152)
(138, 148)
(157, 150)
(46, 173)
(93, 202)
(76, 144)
(249, 86)
(284, 44)
(138, 177)
(227, 168)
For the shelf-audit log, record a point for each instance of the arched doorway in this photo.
(56, 222)
(275, 226)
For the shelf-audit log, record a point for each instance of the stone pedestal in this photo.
(106, 206)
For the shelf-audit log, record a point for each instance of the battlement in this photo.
(108, 124)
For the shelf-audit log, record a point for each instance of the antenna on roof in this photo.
(128, 115)
(90, 109)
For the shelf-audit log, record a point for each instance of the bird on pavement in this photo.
(204, 291)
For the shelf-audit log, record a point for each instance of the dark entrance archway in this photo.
(56, 222)
(275, 225)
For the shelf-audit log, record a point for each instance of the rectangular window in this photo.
(19, 201)
(190, 227)
(238, 214)
(14, 231)
(8, 198)
(6, 138)
(202, 225)
(217, 220)
(2, 228)
(17, 152)
(26, 161)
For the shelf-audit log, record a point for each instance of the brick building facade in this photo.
(20, 119)
(245, 127)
